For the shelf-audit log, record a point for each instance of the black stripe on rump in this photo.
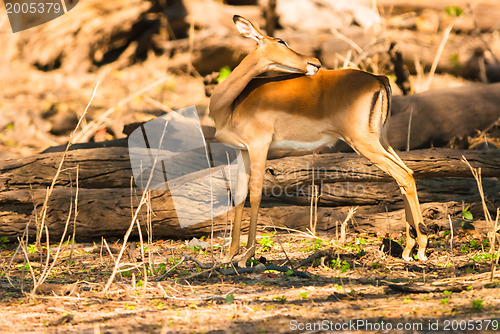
(372, 109)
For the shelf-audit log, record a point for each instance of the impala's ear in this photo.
(247, 29)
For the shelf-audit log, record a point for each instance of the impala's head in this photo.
(275, 52)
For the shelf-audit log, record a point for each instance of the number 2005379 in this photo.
(27, 7)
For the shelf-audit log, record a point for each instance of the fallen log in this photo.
(108, 212)
(110, 168)
(439, 115)
(374, 193)
(106, 201)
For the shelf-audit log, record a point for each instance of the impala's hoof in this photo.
(421, 255)
(407, 258)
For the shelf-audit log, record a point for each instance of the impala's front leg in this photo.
(258, 156)
(239, 200)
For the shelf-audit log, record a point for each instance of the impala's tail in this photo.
(380, 106)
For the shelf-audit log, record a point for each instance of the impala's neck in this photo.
(227, 91)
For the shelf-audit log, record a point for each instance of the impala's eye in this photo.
(282, 42)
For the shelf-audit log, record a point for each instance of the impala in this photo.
(303, 108)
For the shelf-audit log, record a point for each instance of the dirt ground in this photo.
(355, 285)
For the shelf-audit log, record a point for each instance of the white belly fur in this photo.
(302, 146)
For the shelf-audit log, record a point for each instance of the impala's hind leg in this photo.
(389, 162)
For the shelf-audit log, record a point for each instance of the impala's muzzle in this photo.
(312, 68)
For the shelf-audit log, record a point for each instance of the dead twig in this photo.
(492, 233)
(343, 226)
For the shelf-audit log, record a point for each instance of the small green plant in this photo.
(445, 300)
(375, 265)
(464, 249)
(483, 257)
(267, 243)
(32, 249)
(129, 307)
(279, 299)
(303, 295)
(158, 304)
(355, 247)
(252, 262)
(3, 242)
(343, 265)
(223, 73)
(407, 300)
(477, 304)
(446, 233)
(360, 241)
(229, 299)
(454, 11)
(162, 267)
(196, 249)
(317, 244)
(466, 214)
(139, 283)
(474, 244)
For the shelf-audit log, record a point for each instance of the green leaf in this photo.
(466, 214)
(289, 272)
(477, 304)
(223, 73)
(229, 298)
(454, 11)
(345, 267)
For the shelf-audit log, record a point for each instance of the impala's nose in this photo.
(313, 67)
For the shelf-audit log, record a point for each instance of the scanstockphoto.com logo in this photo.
(25, 14)
(170, 153)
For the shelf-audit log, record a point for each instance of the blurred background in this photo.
(152, 56)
